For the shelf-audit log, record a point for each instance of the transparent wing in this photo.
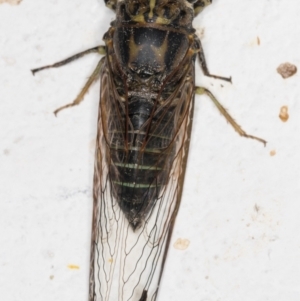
(127, 262)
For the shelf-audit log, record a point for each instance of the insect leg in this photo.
(79, 98)
(99, 49)
(203, 63)
(237, 128)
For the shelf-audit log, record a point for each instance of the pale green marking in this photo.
(141, 133)
(152, 5)
(136, 166)
(134, 185)
(102, 50)
(138, 149)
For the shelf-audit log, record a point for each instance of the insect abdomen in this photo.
(140, 170)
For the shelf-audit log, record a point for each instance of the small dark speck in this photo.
(51, 277)
(274, 238)
(18, 139)
(68, 195)
(6, 152)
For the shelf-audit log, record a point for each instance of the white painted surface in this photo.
(236, 252)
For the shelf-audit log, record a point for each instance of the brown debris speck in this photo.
(272, 152)
(11, 2)
(73, 267)
(287, 70)
(283, 115)
(181, 244)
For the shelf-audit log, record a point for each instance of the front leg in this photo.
(98, 49)
(204, 65)
(95, 75)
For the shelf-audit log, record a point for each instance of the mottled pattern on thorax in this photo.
(150, 40)
(167, 12)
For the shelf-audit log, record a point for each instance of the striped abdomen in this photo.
(140, 169)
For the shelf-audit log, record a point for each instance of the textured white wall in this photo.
(240, 209)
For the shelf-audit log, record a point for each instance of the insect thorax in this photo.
(147, 42)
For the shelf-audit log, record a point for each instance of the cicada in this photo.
(147, 76)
